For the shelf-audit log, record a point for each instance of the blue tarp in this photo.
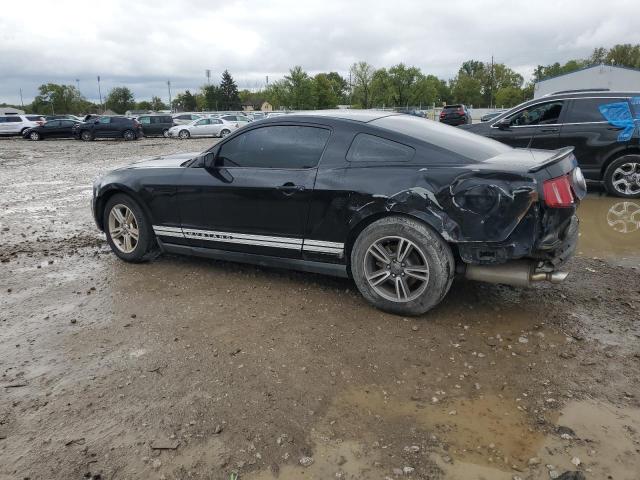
(619, 115)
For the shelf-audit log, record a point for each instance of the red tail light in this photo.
(442, 114)
(558, 193)
(461, 111)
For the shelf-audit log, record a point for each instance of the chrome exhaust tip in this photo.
(519, 273)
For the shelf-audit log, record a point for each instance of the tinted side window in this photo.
(52, 124)
(586, 110)
(13, 119)
(204, 121)
(33, 118)
(275, 147)
(369, 148)
(105, 120)
(144, 120)
(541, 114)
(66, 123)
(3, 119)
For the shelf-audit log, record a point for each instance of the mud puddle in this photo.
(610, 229)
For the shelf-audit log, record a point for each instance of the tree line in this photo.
(477, 83)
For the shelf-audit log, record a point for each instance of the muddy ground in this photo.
(192, 369)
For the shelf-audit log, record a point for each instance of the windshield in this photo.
(461, 142)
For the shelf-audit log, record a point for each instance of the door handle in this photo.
(549, 130)
(615, 128)
(290, 188)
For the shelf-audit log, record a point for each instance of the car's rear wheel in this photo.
(129, 135)
(402, 266)
(165, 133)
(184, 134)
(86, 135)
(622, 177)
(129, 233)
(35, 136)
(225, 132)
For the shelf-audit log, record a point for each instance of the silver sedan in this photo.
(204, 127)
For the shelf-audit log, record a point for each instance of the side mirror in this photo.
(503, 124)
(210, 160)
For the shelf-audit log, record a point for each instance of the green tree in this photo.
(467, 89)
(212, 97)
(325, 92)
(120, 99)
(508, 97)
(403, 80)
(300, 89)
(625, 55)
(361, 79)
(185, 102)
(55, 98)
(157, 104)
(144, 105)
(229, 93)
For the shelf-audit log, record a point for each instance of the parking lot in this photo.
(187, 368)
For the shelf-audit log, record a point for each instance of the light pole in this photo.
(208, 74)
(169, 88)
(78, 84)
(100, 94)
(21, 101)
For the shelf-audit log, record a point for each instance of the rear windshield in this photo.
(452, 139)
(452, 107)
(33, 118)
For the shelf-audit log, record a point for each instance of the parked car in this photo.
(108, 127)
(52, 129)
(185, 118)
(204, 127)
(240, 119)
(63, 117)
(599, 125)
(18, 124)
(455, 115)
(396, 202)
(155, 125)
(489, 116)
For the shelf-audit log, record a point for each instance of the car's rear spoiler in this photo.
(558, 155)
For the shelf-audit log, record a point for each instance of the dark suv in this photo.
(455, 115)
(600, 125)
(108, 127)
(155, 125)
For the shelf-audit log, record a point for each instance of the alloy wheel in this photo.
(396, 269)
(34, 136)
(183, 134)
(123, 228)
(626, 178)
(224, 133)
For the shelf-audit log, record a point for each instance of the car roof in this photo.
(590, 93)
(363, 116)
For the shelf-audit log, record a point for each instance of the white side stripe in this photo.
(318, 246)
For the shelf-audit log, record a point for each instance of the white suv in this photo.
(17, 124)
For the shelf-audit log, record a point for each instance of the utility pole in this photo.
(208, 74)
(267, 80)
(491, 85)
(21, 101)
(78, 84)
(169, 88)
(100, 94)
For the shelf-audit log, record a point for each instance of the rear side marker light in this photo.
(558, 193)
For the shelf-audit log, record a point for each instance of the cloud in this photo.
(141, 44)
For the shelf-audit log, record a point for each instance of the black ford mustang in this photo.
(399, 203)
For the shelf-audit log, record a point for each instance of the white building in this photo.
(597, 76)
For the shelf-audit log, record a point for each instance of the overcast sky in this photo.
(141, 44)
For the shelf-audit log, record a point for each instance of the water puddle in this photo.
(610, 229)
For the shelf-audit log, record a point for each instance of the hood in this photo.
(166, 161)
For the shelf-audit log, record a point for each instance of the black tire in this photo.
(86, 136)
(629, 185)
(129, 135)
(146, 246)
(23, 130)
(35, 136)
(184, 134)
(165, 133)
(225, 132)
(428, 247)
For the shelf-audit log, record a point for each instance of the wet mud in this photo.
(191, 369)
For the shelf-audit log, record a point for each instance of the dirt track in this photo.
(184, 368)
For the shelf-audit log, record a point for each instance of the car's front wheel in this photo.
(622, 177)
(165, 133)
(86, 135)
(129, 233)
(183, 134)
(129, 135)
(402, 266)
(35, 136)
(224, 133)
